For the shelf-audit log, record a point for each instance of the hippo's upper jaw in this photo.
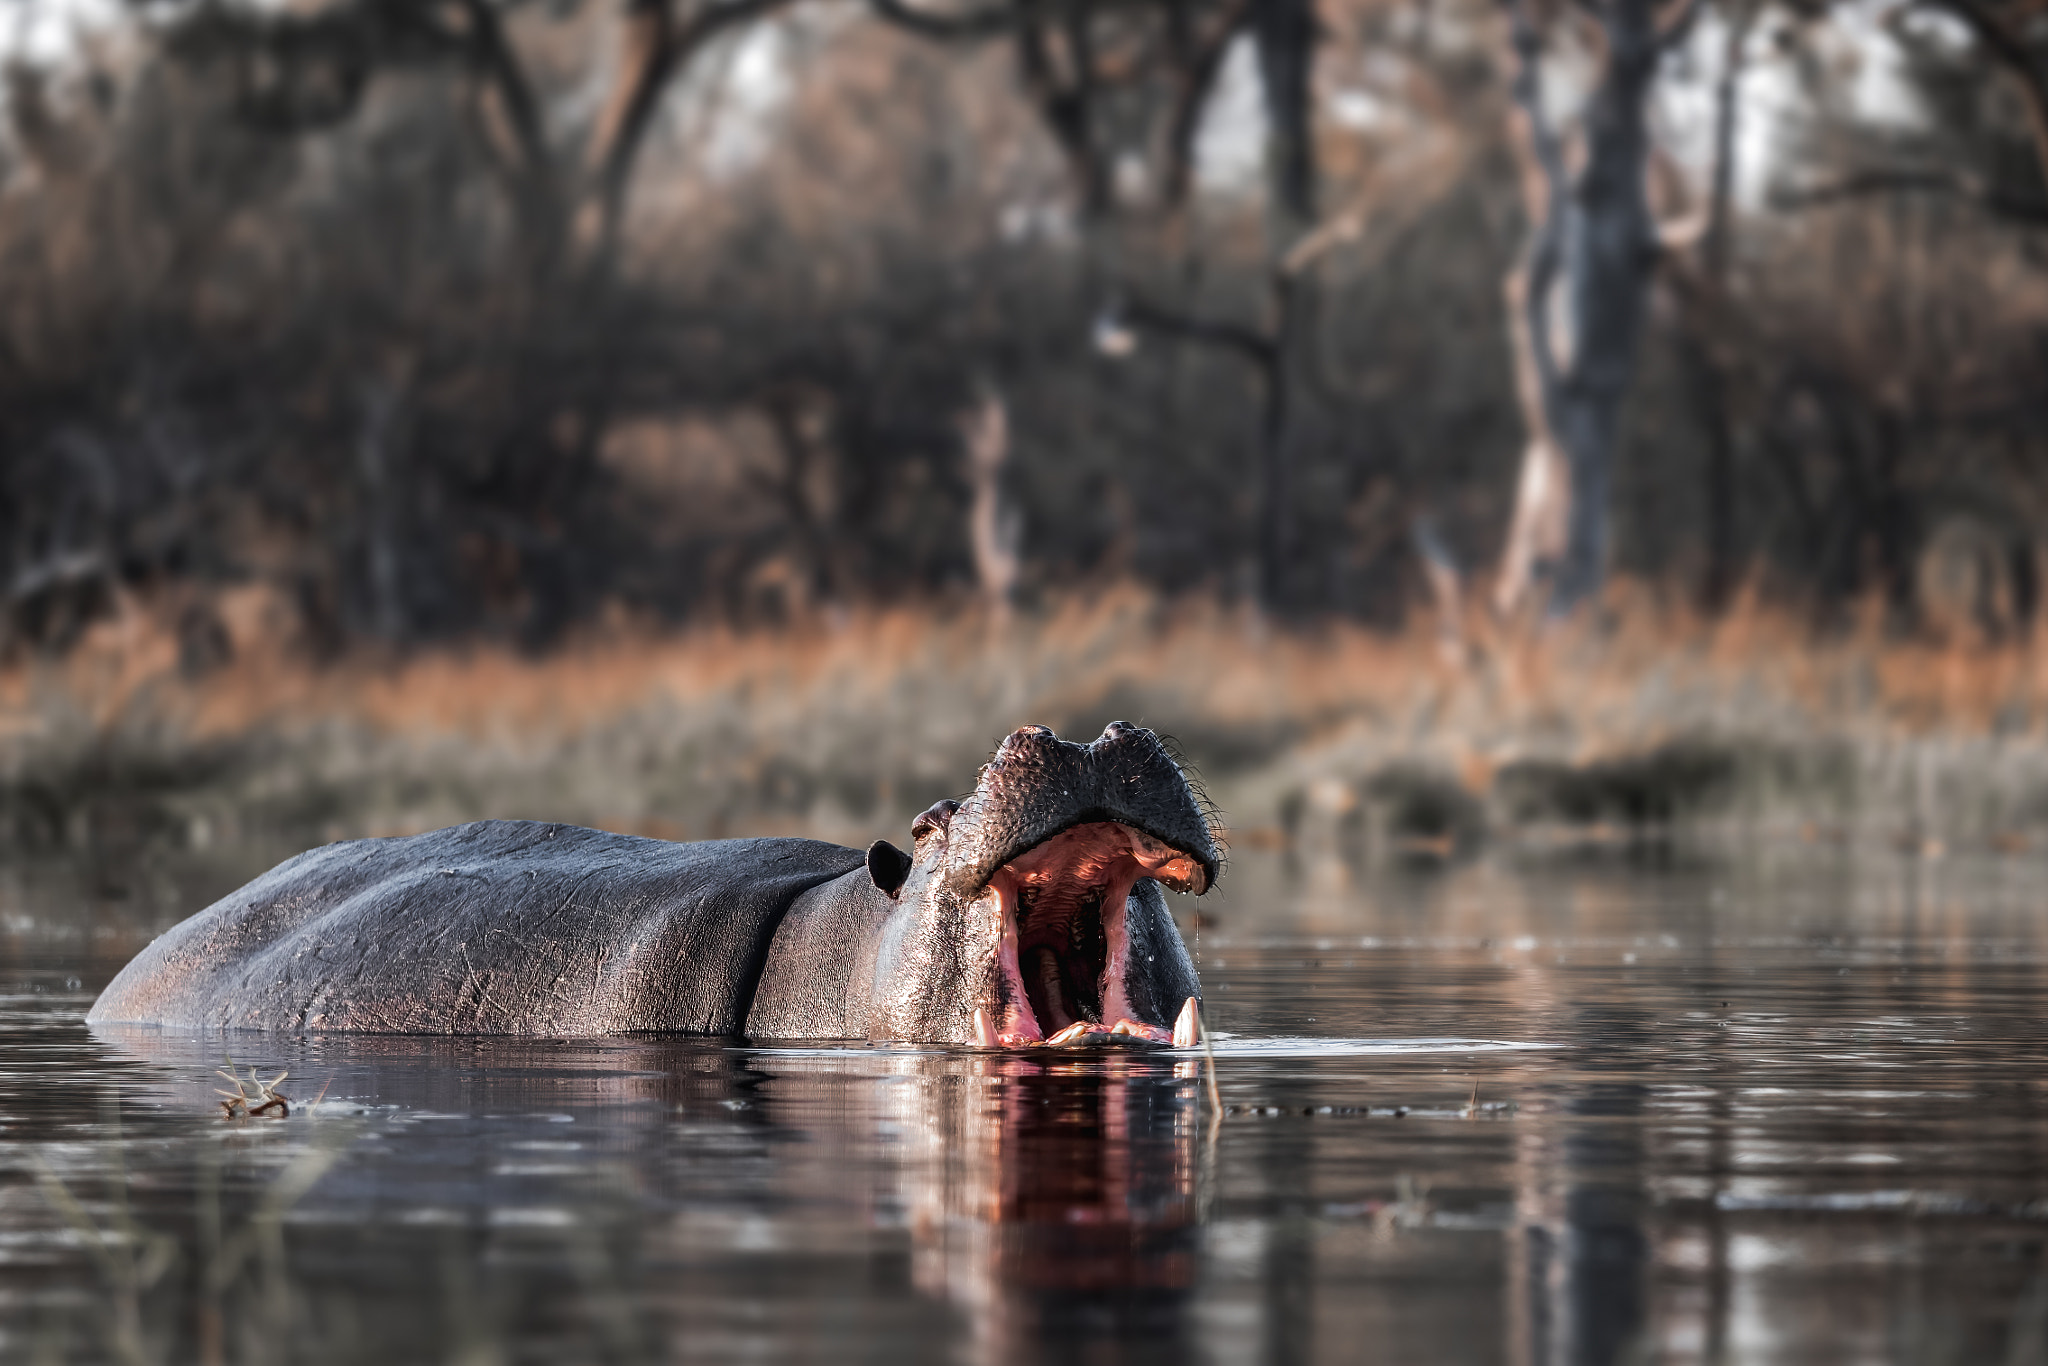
(1036, 904)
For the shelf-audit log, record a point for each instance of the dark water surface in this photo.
(1787, 1108)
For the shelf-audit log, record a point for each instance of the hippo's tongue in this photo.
(1062, 954)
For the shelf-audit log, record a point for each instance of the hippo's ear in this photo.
(888, 866)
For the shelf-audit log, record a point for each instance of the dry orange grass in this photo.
(846, 721)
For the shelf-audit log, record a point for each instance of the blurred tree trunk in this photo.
(1446, 589)
(1585, 274)
(1704, 368)
(378, 458)
(1536, 529)
(1285, 31)
(1286, 34)
(995, 531)
(1276, 440)
(807, 488)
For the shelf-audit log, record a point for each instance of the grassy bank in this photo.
(846, 724)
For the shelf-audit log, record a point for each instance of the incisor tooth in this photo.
(1187, 1030)
(984, 1032)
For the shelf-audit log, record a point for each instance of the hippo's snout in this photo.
(1058, 857)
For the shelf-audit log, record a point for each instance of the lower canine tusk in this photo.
(984, 1032)
(1187, 1030)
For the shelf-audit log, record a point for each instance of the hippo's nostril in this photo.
(1024, 734)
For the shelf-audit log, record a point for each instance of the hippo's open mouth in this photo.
(1064, 947)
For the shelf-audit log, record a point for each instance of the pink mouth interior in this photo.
(1063, 948)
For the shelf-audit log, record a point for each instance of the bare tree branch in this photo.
(1250, 343)
(1198, 74)
(2020, 208)
(497, 60)
(664, 48)
(1067, 105)
(988, 21)
(2011, 52)
(985, 22)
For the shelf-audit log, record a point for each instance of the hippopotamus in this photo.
(1030, 912)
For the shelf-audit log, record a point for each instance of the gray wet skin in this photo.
(1038, 896)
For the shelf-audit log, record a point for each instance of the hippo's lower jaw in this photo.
(1063, 956)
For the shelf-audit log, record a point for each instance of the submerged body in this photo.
(1031, 910)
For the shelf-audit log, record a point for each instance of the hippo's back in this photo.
(499, 927)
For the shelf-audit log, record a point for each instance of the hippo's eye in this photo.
(936, 819)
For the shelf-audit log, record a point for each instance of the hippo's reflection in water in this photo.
(1028, 1199)
(1056, 1198)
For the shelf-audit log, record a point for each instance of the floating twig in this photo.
(266, 1099)
(1209, 1054)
